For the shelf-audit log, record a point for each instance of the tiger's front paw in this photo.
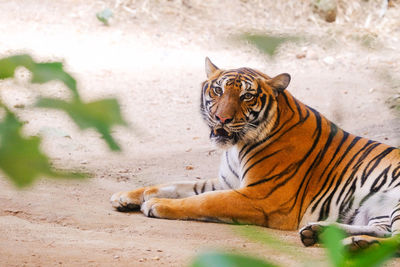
(149, 208)
(162, 208)
(127, 201)
(310, 234)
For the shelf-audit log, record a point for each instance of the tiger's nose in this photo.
(223, 120)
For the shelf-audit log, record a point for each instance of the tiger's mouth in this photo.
(221, 132)
(222, 137)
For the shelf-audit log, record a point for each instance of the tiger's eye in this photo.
(248, 96)
(218, 91)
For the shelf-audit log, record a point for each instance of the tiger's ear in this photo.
(210, 68)
(280, 82)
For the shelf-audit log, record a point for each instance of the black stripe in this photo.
(229, 165)
(257, 162)
(212, 186)
(379, 217)
(226, 182)
(377, 159)
(396, 218)
(203, 188)
(393, 212)
(395, 174)
(375, 187)
(348, 201)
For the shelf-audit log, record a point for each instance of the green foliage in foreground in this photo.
(20, 157)
(338, 255)
(268, 44)
(220, 259)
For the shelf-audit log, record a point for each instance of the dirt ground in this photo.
(151, 58)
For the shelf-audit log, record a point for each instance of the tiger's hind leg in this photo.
(377, 231)
(390, 223)
(132, 200)
(377, 227)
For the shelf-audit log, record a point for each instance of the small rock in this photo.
(159, 250)
(156, 258)
(301, 55)
(189, 168)
(116, 257)
(327, 9)
(329, 60)
(142, 260)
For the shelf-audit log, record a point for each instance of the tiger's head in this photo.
(240, 105)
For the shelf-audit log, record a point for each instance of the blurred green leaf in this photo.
(21, 158)
(41, 72)
(267, 43)
(100, 115)
(332, 239)
(219, 259)
(104, 16)
(254, 233)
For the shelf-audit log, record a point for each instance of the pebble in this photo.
(329, 60)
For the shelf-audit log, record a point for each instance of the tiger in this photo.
(284, 166)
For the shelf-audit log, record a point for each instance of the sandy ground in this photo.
(153, 62)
